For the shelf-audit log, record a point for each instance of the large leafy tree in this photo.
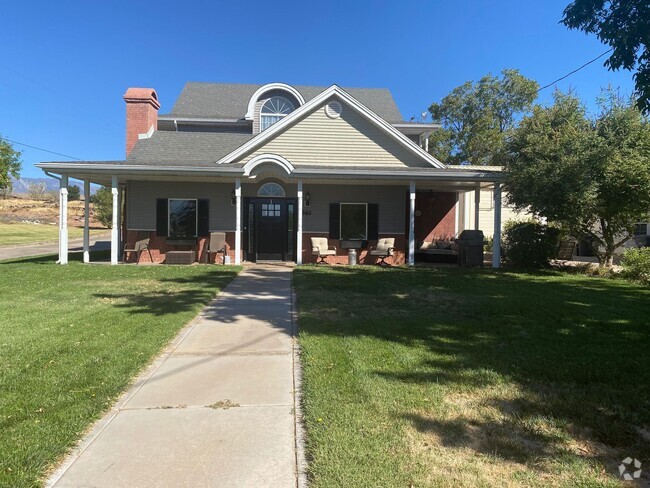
(9, 164)
(592, 175)
(625, 26)
(477, 117)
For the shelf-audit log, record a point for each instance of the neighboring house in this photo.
(273, 165)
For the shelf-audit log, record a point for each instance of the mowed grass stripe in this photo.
(71, 339)
(456, 377)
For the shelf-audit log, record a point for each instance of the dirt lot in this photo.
(17, 209)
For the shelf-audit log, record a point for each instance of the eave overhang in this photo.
(124, 169)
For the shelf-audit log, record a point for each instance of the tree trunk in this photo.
(607, 258)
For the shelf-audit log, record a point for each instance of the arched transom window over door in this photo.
(274, 110)
(271, 190)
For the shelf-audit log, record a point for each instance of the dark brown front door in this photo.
(269, 232)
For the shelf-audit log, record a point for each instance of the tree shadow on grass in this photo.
(199, 290)
(574, 349)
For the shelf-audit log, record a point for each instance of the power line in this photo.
(576, 70)
(41, 149)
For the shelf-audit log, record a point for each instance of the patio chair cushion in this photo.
(384, 247)
(320, 247)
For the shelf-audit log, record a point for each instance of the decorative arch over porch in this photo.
(268, 158)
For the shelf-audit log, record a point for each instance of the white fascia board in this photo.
(129, 168)
(203, 120)
(444, 175)
(295, 116)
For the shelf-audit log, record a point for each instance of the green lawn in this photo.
(14, 234)
(455, 377)
(71, 339)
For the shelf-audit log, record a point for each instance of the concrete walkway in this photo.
(216, 409)
(97, 243)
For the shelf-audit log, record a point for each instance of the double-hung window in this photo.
(354, 221)
(183, 217)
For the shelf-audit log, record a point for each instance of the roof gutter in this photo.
(51, 175)
(223, 170)
(132, 168)
(203, 120)
(446, 175)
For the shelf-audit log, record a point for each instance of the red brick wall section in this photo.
(437, 217)
(363, 257)
(141, 113)
(159, 247)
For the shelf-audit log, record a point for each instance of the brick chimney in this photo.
(141, 114)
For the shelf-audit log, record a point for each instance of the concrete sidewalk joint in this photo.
(220, 406)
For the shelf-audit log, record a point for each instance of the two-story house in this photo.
(274, 165)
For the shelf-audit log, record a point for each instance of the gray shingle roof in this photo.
(187, 148)
(230, 100)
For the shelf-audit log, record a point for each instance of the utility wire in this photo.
(41, 149)
(576, 70)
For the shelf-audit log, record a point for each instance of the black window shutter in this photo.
(161, 217)
(203, 218)
(335, 221)
(373, 221)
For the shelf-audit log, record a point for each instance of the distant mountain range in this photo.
(21, 185)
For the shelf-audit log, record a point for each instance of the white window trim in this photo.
(341, 221)
(196, 223)
(268, 87)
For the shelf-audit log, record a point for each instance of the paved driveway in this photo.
(216, 409)
(97, 243)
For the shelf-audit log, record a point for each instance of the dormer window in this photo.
(274, 110)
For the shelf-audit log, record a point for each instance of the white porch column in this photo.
(119, 221)
(412, 223)
(477, 205)
(238, 221)
(63, 220)
(86, 221)
(457, 215)
(115, 231)
(496, 247)
(299, 230)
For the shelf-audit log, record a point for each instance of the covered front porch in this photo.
(270, 211)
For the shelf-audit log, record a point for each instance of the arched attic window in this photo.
(274, 110)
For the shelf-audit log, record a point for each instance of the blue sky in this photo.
(65, 65)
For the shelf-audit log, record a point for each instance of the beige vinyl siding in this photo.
(256, 115)
(350, 140)
(486, 212)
